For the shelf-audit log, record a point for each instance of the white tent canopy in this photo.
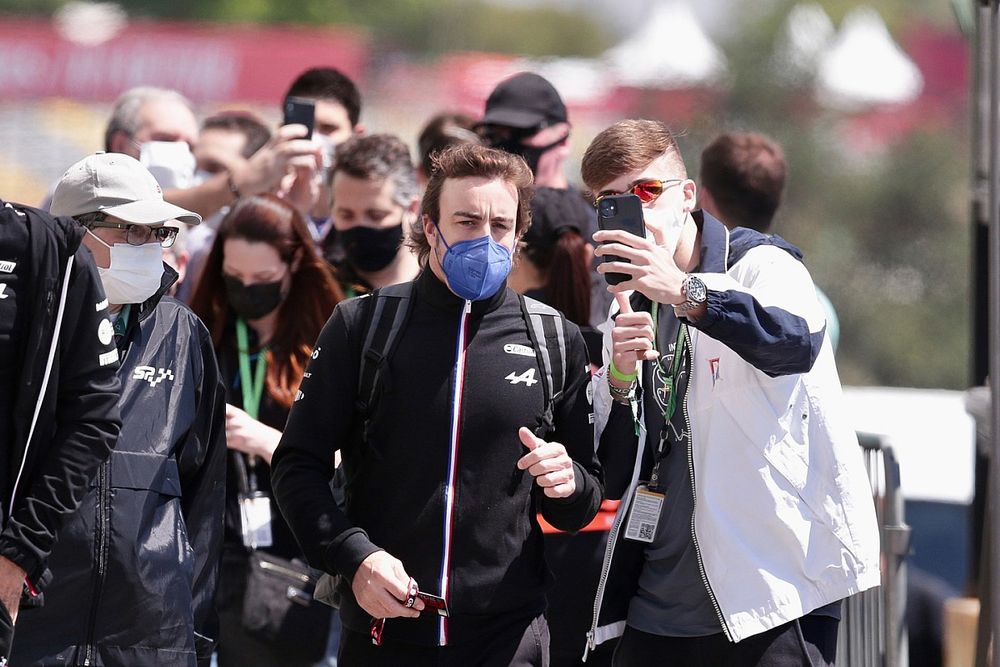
(806, 33)
(864, 67)
(670, 50)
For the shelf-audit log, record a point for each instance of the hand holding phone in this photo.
(301, 111)
(623, 212)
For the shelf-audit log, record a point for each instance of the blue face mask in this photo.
(476, 268)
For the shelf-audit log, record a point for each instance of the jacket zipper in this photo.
(452, 482)
(56, 332)
(623, 510)
(102, 529)
(694, 496)
(605, 571)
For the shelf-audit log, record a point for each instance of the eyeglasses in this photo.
(140, 234)
(646, 189)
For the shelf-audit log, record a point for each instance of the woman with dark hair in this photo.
(555, 260)
(264, 295)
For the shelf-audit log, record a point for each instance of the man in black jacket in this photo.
(58, 393)
(135, 568)
(445, 478)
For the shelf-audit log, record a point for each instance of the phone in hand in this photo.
(622, 212)
(302, 112)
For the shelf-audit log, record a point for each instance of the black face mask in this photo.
(252, 302)
(531, 154)
(369, 249)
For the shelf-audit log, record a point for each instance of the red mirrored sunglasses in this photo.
(646, 189)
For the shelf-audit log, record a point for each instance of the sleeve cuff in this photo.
(27, 561)
(346, 553)
(576, 511)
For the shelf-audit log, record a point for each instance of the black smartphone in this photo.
(622, 212)
(301, 111)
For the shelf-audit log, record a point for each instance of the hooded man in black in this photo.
(58, 394)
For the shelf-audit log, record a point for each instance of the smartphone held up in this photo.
(300, 111)
(622, 212)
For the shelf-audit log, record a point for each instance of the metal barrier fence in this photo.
(873, 628)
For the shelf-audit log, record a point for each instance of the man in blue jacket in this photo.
(746, 512)
(134, 570)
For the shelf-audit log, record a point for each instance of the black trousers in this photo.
(524, 644)
(810, 641)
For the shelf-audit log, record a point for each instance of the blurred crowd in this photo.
(174, 546)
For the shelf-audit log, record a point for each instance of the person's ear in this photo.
(359, 129)
(690, 195)
(430, 230)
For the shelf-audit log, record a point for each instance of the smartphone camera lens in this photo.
(608, 208)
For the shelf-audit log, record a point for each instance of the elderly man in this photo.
(134, 570)
(158, 127)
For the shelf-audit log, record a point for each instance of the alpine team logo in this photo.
(527, 377)
(713, 367)
(153, 376)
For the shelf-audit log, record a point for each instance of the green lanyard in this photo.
(252, 389)
(121, 323)
(670, 382)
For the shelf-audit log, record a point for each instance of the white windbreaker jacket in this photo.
(784, 521)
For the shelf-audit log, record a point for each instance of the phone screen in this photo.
(622, 212)
(301, 111)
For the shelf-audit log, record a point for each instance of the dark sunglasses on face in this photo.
(646, 189)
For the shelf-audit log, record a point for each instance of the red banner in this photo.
(205, 62)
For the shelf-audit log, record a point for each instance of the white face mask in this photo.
(135, 271)
(170, 162)
(670, 221)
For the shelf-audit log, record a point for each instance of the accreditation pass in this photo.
(644, 516)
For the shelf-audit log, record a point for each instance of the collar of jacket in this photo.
(436, 293)
(714, 243)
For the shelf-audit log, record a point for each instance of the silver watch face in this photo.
(695, 290)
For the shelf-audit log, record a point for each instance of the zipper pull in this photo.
(468, 306)
(590, 645)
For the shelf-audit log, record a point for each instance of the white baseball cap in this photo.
(115, 184)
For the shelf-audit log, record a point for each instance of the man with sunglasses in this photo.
(746, 512)
(134, 569)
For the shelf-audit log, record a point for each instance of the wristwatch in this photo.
(694, 290)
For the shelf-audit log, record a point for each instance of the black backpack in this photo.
(389, 314)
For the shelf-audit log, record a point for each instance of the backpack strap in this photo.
(390, 310)
(547, 332)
